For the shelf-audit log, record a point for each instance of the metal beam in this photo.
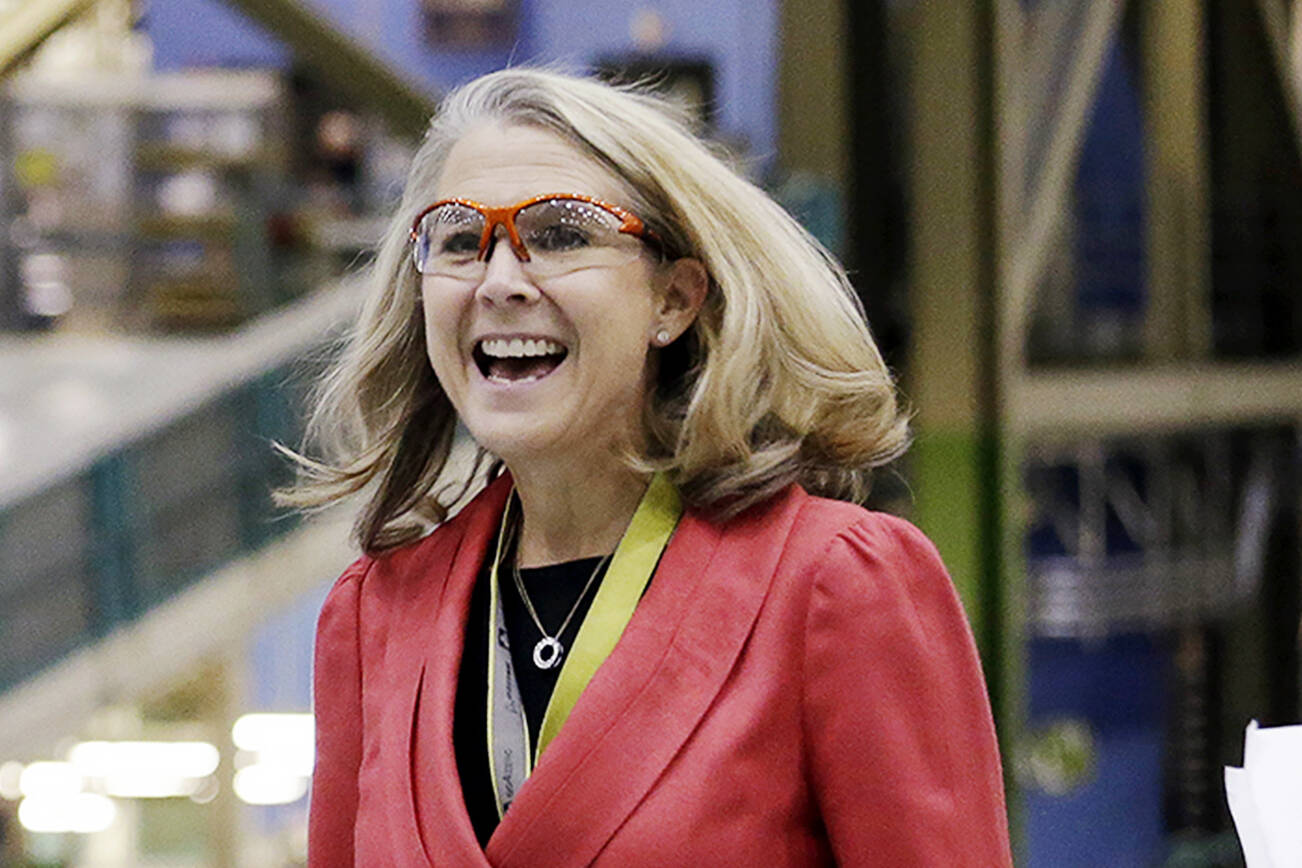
(1153, 399)
(344, 64)
(1274, 21)
(30, 22)
(1027, 250)
(1177, 316)
(952, 376)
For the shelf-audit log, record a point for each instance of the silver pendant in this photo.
(547, 653)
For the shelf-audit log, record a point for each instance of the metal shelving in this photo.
(1035, 409)
(145, 200)
(1094, 449)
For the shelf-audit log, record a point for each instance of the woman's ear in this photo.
(684, 284)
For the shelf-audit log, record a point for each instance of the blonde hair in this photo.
(777, 381)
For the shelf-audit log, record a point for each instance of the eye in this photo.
(556, 237)
(459, 244)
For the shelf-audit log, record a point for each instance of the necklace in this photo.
(511, 753)
(547, 653)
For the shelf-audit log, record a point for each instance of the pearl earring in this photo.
(662, 337)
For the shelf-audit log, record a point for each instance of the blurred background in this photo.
(1077, 229)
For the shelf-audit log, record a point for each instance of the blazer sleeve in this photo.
(337, 704)
(899, 736)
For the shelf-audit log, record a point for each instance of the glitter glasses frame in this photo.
(630, 223)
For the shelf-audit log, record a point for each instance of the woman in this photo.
(646, 642)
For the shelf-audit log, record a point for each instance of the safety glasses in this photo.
(551, 235)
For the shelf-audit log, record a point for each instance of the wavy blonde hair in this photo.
(777, 381)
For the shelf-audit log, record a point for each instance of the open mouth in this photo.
(518, 360)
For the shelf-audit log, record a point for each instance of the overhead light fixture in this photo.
(49, 779)
(146, 769)
(265, 730)
(277, 753)
(188, 759)
(286, 740)
(265, 784)
(83, 813)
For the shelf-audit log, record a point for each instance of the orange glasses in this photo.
(551, 234)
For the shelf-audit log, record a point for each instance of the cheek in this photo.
(440, 335)
(624, 351)
(618, 336)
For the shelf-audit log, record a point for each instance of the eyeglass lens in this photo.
(560, 236)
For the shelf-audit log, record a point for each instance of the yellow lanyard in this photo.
(510, 756)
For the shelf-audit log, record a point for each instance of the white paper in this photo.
(1265, 796)
(1239, 795)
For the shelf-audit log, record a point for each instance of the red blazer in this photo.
(798, 687)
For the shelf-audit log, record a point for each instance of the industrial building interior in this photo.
(1076, 226)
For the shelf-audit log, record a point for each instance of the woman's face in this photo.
(594, 327)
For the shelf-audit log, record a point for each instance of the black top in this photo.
(553, 590)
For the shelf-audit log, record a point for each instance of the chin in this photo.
(514, 442)
(520, 446)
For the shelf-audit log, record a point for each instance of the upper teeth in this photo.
(517, 348)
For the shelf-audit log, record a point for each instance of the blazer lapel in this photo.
(644, 702)
(417, 580)
(428, 758)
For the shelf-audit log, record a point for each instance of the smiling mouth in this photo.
(518, 360)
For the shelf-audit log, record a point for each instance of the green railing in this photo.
(99, 549)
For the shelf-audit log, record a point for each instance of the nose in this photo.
(504, 281)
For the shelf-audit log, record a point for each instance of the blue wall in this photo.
(188, 33)
(1117, 687)
(739, 37)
